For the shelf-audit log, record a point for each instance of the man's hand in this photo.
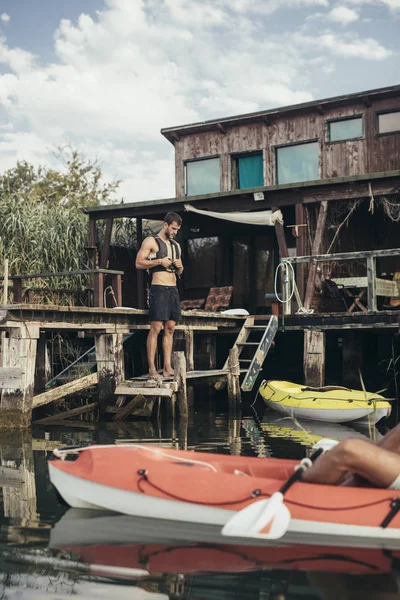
(178, 263)
(165, 262)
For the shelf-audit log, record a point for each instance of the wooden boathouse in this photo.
(314, 186)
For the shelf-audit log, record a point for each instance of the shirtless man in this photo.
(161, 255)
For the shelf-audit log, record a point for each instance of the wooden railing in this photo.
(369, 255)
(97, 286)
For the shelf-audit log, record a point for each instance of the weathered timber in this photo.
(137, 402)
(123, 390)
(234, 395)
(10, 378)
(241, 339)
(260, 354)
(337, 321)
(10, 477)
(345, 255)
(189, 341)
(60, 416)
(314, 358)
(371, 274)
(110, 364)
(20, 352)
(179, 363)
(65, 390)
(106, 244)
(316, 248)
(300, 232)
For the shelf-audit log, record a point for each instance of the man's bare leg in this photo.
(151, 344)
(167, 341)
(377, 465)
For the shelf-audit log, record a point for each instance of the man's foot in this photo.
(153, 374)
(168, 373)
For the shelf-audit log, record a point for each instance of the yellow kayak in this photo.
(332, 404)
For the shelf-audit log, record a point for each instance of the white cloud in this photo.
(5, 18)
(139, 66)
(393, 5)
(342, 15)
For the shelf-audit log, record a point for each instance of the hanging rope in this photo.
(289, 277)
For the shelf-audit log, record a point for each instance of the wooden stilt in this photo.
(16, 404)
(180, 378)
(189, 339)
(234, 395)
(314, 358)
(110, 364)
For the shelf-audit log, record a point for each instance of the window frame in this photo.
(348, 118)
(376, 119)
(202, 159)
(300, 143)
(235, 171)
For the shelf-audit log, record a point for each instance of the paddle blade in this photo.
(267, 519)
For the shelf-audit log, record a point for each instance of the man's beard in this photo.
(167, 235)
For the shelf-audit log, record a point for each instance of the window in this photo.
(345, 129)
(201, 262)
(388, 122)
(298, 162)
(249, 171)
(202, 176)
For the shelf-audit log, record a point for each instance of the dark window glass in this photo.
(201, 263)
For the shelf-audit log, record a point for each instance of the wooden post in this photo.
(140, 272)
(180, 377)
(234, 395)
(5, 283)
(189, 339)
(116, 284)
(314, 358)
(42, 364)
(98, 290)
(316, 249)
(106, 244)
(371, 274)
(17, 290)
(92, 257)
(16, 405)
(110, 364)
(300, 233)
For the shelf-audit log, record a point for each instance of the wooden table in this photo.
(384, 287)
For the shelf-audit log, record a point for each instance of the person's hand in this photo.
(165, 262)
(177, 263)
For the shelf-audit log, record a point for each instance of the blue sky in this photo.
(106, 75)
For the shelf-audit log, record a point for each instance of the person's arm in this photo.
(178, 262)
(142, 259)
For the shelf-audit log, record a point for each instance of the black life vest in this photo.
(163, 252)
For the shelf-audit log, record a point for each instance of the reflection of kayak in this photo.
(331, 404)
(309, 433)
(208, 489)
(124, 542)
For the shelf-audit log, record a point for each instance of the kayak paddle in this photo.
(269, 518)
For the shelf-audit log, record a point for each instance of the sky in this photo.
(106, 75)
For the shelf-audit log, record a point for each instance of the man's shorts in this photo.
(164, 303)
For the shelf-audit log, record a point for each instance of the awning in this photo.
(261, 217)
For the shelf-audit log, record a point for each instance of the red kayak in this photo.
(208, 489)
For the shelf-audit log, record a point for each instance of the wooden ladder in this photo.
(252, 365)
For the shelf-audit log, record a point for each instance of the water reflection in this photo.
(51, 552)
